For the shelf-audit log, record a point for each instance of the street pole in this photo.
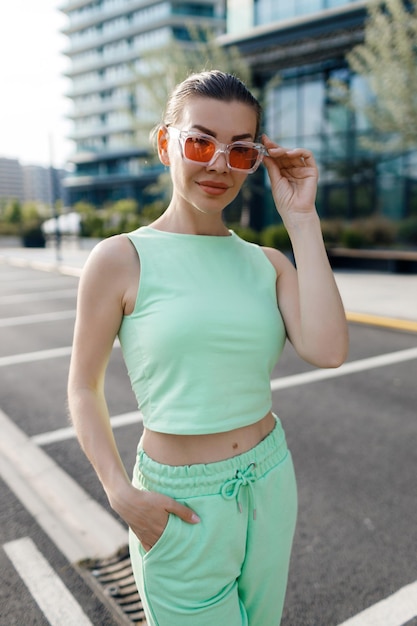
(53, 189)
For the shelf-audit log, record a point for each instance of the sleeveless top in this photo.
(205, 333)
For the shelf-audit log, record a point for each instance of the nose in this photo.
(219, 161)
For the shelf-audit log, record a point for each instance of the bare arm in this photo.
(308, 296)
(104, 290)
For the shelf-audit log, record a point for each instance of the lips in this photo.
(212, 187)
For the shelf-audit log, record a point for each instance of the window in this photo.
(311, 101)
(288, 110)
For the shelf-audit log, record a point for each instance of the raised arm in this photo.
(308, 296)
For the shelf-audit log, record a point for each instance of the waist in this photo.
(205, 479)
(179, 450)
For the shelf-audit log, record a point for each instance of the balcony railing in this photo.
(99, 39)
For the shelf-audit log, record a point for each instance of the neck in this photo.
(191, 223)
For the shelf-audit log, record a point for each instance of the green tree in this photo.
(122, 216)
(159, 70)
(13, 212)
(387, 60)
(92, 222)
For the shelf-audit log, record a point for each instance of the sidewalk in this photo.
(369, 297)
(380, 295)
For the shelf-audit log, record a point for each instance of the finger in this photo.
(303, 157)
(273, 148)
(276, 149)
(267, 141)
(287, 158)
(184, 512)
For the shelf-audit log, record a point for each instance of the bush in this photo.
(124, 225)
(9, 230)
(246, 233)
(92, 225)
(353, 237)
(407, 231)
(276, 236)
(379, 231)
(332, 231)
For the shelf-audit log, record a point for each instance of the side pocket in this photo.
(163, 540)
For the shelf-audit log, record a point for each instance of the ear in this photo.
(163, 145)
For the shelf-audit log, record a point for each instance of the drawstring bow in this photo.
(243, 478)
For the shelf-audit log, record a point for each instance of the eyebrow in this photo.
(207, 131)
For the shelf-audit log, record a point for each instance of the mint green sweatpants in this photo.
(231, 569)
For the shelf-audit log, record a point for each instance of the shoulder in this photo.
(110, 247)
(110, 269)
(112, 254)
(280, 262)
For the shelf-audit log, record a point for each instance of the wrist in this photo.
(120, 497)
(117, 486)
(302, 221)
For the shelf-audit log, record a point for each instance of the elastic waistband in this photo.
(207, 479)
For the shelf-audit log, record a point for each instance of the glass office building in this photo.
(107, 42)
(304, 43)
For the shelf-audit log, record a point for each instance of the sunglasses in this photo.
(241, 156)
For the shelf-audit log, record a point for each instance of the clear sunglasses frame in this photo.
(220, 148)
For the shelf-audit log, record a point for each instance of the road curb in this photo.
(79, 526)
(44, 266)
(379, 320)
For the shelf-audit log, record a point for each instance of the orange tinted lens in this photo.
(243, 157)
(199, 149)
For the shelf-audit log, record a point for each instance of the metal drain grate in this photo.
(115, 576)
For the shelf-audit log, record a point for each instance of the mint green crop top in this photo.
(205, 333)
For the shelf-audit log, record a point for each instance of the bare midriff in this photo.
(192, 449)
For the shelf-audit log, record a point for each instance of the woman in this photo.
(202, 317)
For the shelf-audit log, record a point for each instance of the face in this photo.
(207, 188)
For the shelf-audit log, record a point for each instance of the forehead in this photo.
(223, 119)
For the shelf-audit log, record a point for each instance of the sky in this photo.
(33, 106)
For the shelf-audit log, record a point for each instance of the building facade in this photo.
(31, 183)
(302, 46)
(107, 42)
(11, 180)
(299, 46)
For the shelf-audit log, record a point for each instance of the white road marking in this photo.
(40, 355)
(45, 266)
(77, 524)
(24, 283)
(62, 434)
(19, 298)
(348, 368)
(30, 357)
(45, 586)
(37, 318)
(395, 610)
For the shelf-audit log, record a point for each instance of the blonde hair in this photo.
(209, 84)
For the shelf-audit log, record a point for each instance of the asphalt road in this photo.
(353, 436)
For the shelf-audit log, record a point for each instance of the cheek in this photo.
(239, 179)
(182, 171)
